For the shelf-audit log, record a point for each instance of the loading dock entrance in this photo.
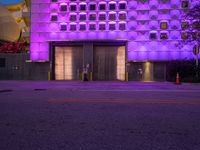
(106, 60)
(68, 62)
(109, 63)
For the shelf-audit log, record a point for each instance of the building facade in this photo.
(111, 38)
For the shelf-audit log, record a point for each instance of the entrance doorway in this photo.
(68, 63)
(109, 63)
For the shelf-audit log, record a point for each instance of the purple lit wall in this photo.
(137, 21)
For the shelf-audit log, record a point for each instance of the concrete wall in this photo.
(16, 68)
(147, 71)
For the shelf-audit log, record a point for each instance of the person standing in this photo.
(85, 72)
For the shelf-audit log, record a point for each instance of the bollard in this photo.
(82, 77)
(91, 76)
(49, 76)
(126, 78)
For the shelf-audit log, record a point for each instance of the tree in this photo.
(191, 26)
(191, 31)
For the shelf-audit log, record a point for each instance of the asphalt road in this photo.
(60, 115)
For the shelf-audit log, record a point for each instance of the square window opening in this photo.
(92, 27)
(185, 4)
(112, 27)
(82, 17)
(102, 7)
(102, 17)
(72, 27)
(122, 6)
(112, 17)
(112, 7)
(92, 7)
(92, 17)
(122, 16)
(73, 18)
(163, 36)
(73, 7)
(163, 25)
(184, 25)
(122, 26)
(102, 27)
(63, 8)
(184, 35)
(54, 18)
(153, 36)
(63, 27)
(82, 7)
(82, 27)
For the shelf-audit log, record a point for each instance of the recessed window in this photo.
(54, 0)
(184, 35)
(72, 0)
(63, 7)
(163, 36)
(102, 26)
(122, 6)
(2, 62)
(195, 35)
(163, 25)
(82, 7)
(185, 25)
(73, 7)
(82, 27)
(122, 16)
(112, 17)
(112, 26)
(112, 6)
(102, 16)
(63, 27)
(82, 17)
(196, 25)
(122, 26)
(72, 27)
(92, 17)
(185, 4)
(72, 18)
(102, 7)
(92, 7)
(54, 18)
(153, 36)
(92, 27)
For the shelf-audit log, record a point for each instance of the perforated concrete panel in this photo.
(131, 20)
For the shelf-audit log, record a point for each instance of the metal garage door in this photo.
(109, 63)
(68, 63)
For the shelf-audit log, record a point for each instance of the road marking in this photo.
(123, 101)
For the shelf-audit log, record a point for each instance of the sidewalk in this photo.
(97, 85)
